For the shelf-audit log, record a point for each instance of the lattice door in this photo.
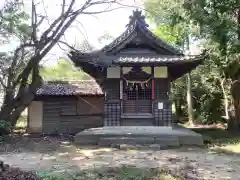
(137, 98)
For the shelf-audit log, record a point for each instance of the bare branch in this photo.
(34, 22)
(60, 30)
(63, 6)
(46, 60)
(133, 6)
(103, 11)
(41, 21)
(85, 31)
(61, 20)
(45, 11)
(66, 44)
(102, 2)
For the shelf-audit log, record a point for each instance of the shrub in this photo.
(5, 127)
(9, 173)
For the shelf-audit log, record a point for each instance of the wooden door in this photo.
(137, 101)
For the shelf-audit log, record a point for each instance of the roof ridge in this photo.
(67, 81)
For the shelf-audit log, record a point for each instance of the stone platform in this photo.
(139, 135)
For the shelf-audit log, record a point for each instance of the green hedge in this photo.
(5, 127)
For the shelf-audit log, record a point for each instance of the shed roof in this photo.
(69, 88)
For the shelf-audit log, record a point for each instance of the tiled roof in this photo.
(152, 59)
(71, 88)
(137, 21)
(137, 24)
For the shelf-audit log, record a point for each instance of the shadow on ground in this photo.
(123, 173)
(59, 155)
(220, 140)
(34, 143)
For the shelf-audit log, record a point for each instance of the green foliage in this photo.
(171, 20)
(216, 24)
(5, 127)
(219, 22)
(63, 70)
(172, 35)
(13, 20)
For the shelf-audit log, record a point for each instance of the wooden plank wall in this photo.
(62, 115)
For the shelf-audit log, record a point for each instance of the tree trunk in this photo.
(189, 99)
(12, 111)
(234, 121)
(226, 102)
(14, 105)
(178, 107)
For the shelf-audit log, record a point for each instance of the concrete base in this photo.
(139, 135)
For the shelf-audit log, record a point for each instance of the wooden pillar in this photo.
(121, 93)
(153, 84)
(153, 92)
(112, 99)
(162, 105)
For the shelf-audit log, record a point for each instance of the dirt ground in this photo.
(48, 154)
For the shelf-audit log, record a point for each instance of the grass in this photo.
(220, 140)
(123, 173)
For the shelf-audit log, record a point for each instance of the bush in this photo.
(9, 173)
(5, 127)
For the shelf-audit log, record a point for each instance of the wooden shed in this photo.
(66, 107)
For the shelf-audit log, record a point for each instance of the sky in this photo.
(87, 27)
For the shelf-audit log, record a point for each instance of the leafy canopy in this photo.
(63, 70)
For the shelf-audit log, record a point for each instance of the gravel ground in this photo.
(58, 155)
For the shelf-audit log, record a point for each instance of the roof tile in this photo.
(71, 88)
(153, 59)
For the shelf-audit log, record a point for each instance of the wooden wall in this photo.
(70, 115)
(163, 117)
(112, 103)
(35, 117)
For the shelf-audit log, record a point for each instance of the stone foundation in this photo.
(139, 135)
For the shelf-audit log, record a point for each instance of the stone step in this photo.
(111, 141)
(87, 139)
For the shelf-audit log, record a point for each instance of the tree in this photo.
(174, 26)
(63, 70)
(12, 19)
(21, 67)
(220, 23)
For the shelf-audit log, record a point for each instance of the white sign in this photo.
(160, 105)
